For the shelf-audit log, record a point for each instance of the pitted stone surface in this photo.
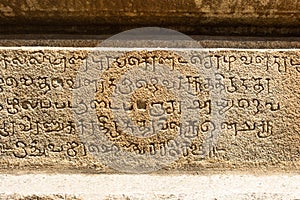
(248, 107)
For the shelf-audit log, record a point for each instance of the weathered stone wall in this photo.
(230, 17)
(249, 125)
(79, 121)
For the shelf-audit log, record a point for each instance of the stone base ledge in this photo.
(100, 186)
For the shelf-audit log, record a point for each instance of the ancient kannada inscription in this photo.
(189, 110)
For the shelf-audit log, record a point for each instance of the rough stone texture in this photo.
(247, 102)
(37, 197)
(203, 41)
(248, 110)
(265, 17)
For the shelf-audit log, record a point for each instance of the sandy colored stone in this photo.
(248, 110)
(148, 187)
(37, 197)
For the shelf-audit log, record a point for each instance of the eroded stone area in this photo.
(246, 105)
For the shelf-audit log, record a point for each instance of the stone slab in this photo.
(246, 105)
(265, 17)
(124, 12)
(148, 187)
